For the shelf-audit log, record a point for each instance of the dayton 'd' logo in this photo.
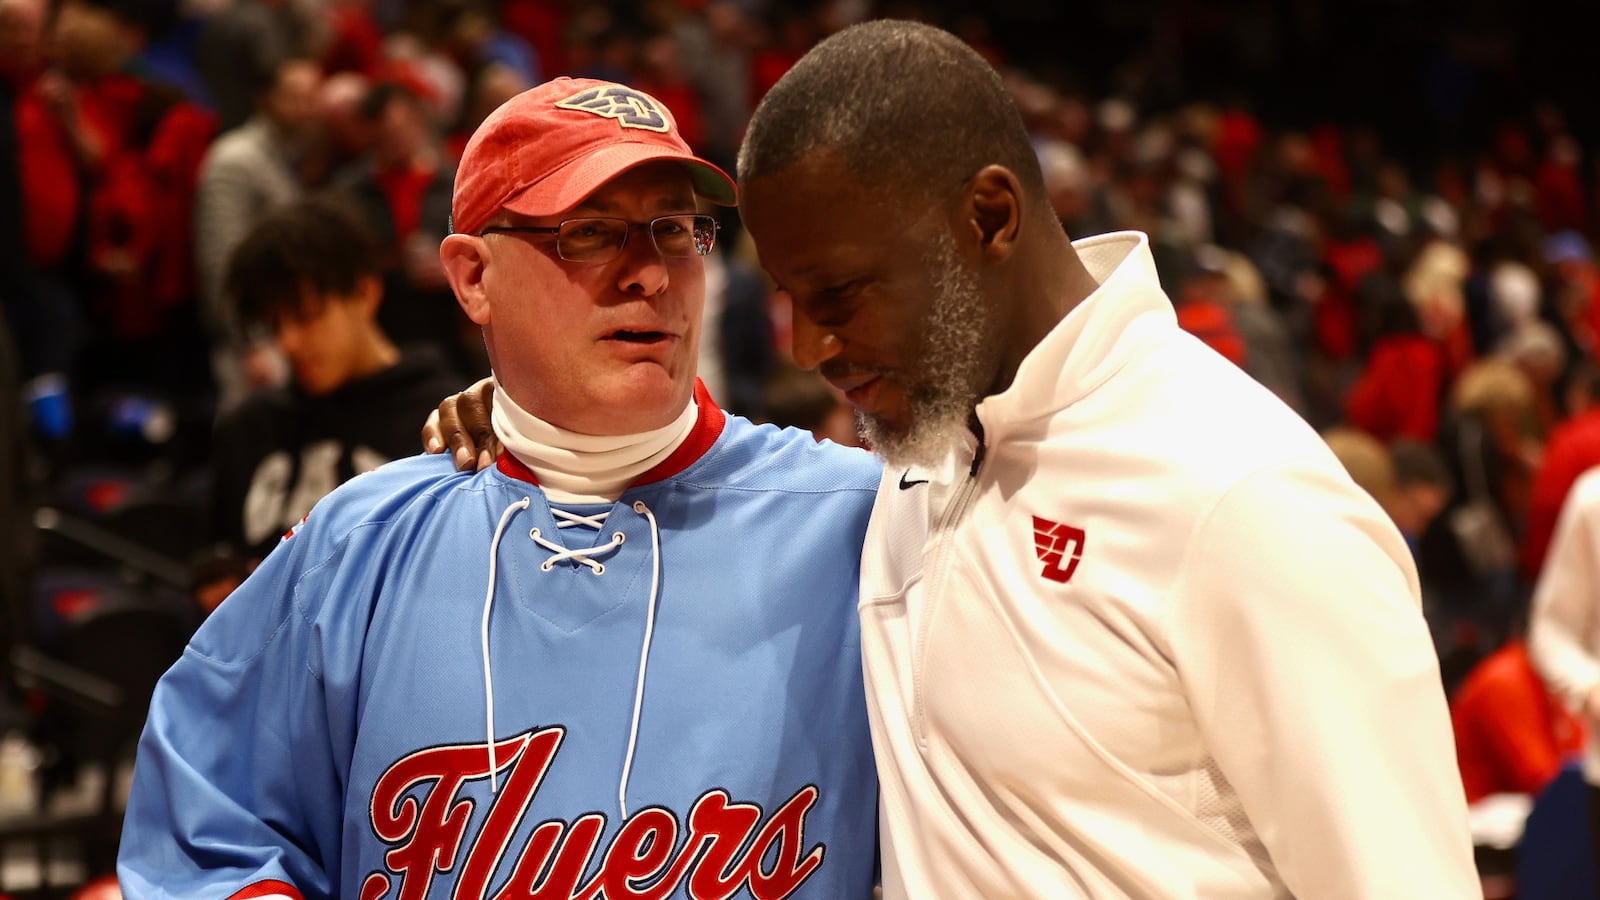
(629, 107)
(721, 852)
(1059, 547)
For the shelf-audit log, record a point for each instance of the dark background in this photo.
(1434, 79)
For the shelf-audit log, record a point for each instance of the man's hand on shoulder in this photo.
(461, 424)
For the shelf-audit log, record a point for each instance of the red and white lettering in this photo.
(646, 860)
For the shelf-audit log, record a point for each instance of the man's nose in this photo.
(813, 344)
(644, 269)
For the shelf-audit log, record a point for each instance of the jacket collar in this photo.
(1092, 341)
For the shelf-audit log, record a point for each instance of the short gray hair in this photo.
(907, 106)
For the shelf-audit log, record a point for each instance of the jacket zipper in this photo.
(940, 570)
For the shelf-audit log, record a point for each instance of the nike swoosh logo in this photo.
(907, 485)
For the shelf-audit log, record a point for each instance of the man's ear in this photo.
(992, 206)
(466, 259)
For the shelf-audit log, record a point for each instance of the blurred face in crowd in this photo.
(885, 307)
(1415, 505)
(594, 347)
(21, 36)
(338, 101)
(293, 103)
(402, 132)
(88, 41)
(328, 339)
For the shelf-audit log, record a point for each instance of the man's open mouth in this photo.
(637, 337)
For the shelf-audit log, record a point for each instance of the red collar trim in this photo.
(707, 428)
(512, 467)
(265, 889)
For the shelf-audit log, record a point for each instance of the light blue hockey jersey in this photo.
(673, 682)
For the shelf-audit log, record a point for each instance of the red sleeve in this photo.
(49, 180)
(1506, 741)
(1523, 742)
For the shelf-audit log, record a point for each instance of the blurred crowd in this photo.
(1438, 320)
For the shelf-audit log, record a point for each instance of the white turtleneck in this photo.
(583, 468)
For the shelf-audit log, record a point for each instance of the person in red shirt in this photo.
(1573, 448)
(107, 164)
(1512, 734)
(1398, 392)
(1417, 351)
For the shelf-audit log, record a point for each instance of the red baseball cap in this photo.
(546, 149)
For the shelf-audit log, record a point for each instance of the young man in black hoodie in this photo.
(309, 273)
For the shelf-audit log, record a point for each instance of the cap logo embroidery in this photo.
(1059, 547)
(629, 107)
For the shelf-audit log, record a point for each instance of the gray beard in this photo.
(946, 384)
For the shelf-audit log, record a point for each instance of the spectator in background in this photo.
(1203, 312)
(1222, 300)
(1513, 734)
(1366, 459)
(1511, 298)
(22, 38)
(25, 310)
(1564, 628)
(1422, 489)
(242, 40)
(1435, 286)
(472, 38)
(107, 165)
(69, 114)
(1468, 557)
(1270, 356)
(140, 236)
(345, 135)
(1573, 448)
(309, 273)
(249, 171)
(1070, 184)
(401, 190)
(1409, 480)
(1536, 347)
(1575, 292)
(1411, 362)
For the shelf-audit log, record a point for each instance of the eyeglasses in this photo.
(599, 240)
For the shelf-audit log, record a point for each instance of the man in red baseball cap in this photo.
(621, 660)
(548, 148)
(586, 192)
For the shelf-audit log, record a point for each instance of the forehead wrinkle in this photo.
(670, 202)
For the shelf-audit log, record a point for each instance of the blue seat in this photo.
(1555, 860)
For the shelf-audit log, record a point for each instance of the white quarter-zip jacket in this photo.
(1564, 629)
(1149, 640)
